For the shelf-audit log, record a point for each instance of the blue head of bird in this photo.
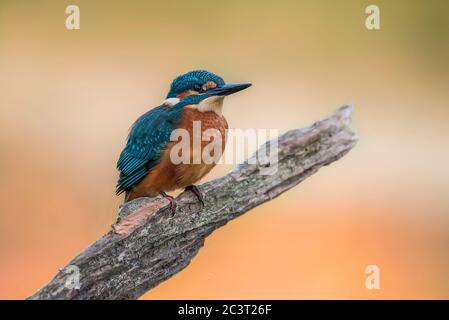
(202, 88)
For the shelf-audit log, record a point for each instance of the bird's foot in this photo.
(196, 191)
(172, 202)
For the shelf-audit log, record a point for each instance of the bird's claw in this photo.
(172, 201)
(196, 191)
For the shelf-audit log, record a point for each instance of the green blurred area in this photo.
(277, 35)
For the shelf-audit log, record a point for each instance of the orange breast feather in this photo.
(167, 176)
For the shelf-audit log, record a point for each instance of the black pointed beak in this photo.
(227, 89)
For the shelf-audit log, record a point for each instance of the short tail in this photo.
(127, 194)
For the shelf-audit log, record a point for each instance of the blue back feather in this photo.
(148, 136)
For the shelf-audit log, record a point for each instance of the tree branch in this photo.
(148, 245)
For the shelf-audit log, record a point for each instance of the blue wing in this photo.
(147, 138)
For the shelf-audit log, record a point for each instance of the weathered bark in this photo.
(148, 245)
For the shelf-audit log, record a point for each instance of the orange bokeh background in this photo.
(67, 99)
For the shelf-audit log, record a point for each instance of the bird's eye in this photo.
(197, 87)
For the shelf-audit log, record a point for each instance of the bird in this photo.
(145, 165)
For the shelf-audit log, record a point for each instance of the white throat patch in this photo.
(214, 103)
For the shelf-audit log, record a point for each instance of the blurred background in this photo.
(68, 98)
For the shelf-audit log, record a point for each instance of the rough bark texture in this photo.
(148, 245)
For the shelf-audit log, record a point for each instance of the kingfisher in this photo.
(145, 165)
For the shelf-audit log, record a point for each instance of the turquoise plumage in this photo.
(148, 136)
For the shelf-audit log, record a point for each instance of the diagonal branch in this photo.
(148, 245)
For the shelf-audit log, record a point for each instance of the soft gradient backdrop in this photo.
(68, 98)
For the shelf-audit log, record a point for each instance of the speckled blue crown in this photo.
(189, 79)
